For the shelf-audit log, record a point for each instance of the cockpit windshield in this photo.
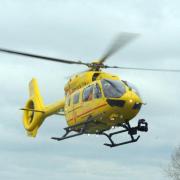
(133, 87)
(113, 88)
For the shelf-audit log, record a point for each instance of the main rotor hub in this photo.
(96, 65)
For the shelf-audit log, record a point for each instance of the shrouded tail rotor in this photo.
(35, 111)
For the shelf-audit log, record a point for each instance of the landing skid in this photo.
(142, 126)
(73, 128)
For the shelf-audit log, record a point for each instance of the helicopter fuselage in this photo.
(102, 96)
(94, 101)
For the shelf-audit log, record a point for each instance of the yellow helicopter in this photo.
(95, 101)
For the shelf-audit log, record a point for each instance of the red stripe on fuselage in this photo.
(88, 111)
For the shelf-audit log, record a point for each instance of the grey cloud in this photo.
(82, 30)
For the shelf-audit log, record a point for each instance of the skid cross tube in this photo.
(127, 128)
(72, 128)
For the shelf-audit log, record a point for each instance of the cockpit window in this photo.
(133, 87)
(113, 88)
(97, 92)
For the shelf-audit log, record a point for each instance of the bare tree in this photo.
(173, 169)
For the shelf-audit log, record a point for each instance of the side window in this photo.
(76, 98)
(97, 92)
(88, 93)
(68, 100)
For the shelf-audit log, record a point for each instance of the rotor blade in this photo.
(120, 41)
(42, 57)
(144, 69)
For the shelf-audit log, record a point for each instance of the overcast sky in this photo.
(82, 30)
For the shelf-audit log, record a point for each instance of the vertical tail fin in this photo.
(35, 111)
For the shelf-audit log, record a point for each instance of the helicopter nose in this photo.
(130, 101)
(134, 101)
(124, 108)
